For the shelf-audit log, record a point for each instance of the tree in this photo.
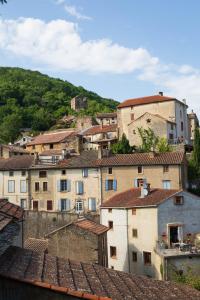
(163, 145)
(194, 162)
(10, 128)
(122, 146)
(149, 139)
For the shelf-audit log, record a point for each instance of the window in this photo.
(85, 172)
(11, 186)
(132, 117)
(110, 224)
(92, 204)
(166, 184)
(23, 203)
(65, 204)
(63, 185)
(45, 186)
(37, 186)
(111, 184)
(42, 174)
(147, 258)
(134, 233)
(113, 252)
(138, 182)
(112, 267)
(49, 204)
(79, 206)
(181, 113)
(178, 200)
(63, 172)
(148, 121)
(79, 187)
(110, 210)
(11, 173)
(109, 170)
(165, 168)
(23, 173)
(181, 126)
(133, 211)
(140, 169)
(23, 186)
(35, 205)
(134, 131)
(171, 136)
(51, 146)
(134, 256)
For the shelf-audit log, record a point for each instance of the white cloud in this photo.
(72, 10)
(58, 45)
(59, 2)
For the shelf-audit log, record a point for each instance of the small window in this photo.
(63, 172)
(178, 200)
(45, 186)
(42, 174)
(181, 126)
(49, 204)
(110, 224)
(148, 121)
(166, 184)
(112, 267)
(23, 186)
(11, 186)
(63, 185)
(140, 169)
(110, 210)
(109, 170)
(134, 256)
(35, 205)
(23, 203)
(113, 252)
(79, 206)
(110, 184)
(134, 233)
(133, 211)
(165, 168)
(147, 258)
(132, 117)
(51, 146)
(37, 186)
(11, 173)
(23, 173)
(85, 172)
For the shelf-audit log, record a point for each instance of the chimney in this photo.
(99, 152)
(160, 93)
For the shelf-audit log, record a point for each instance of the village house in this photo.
(90, 237)
(193, 123)
(106, 118)
(99, 136)
(159, 228)
(45, 277)
(23, 141)
(124, 171)
(7, 151)
(168, 113)
(78, 103)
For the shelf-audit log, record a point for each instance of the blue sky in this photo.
(119, 49)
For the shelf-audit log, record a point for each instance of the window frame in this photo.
(110, 170)
(181, 198)
(165, 168)
(44, 172)
(45, 186)
(78, 203)
(134, 233)
(13, 190)
(21, 189)
(146, 260)
(140, 168)
(49, 202)
(37, 183)
(113, 252)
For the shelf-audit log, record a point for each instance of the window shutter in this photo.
(80, 187)
(69, 185)
(90, 204)
(58, 185)
(68, 204)
(59, 205)
(106, 185)
(135, 183)
(93, 204)
(23, 186)
(114, 184)
(144, 181)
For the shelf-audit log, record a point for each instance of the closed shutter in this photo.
(135, 183)
(58, 185)
(92, 204)
(11, 186)
(106, 185)
(23, 186)
(114, 184)
(80, 187)
(68, 204)
(69, 185)
(59, 205)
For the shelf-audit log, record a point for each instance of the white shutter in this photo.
(11, 186)
(23, 186)
(68, 204)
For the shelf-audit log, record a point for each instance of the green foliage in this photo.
(39, 101)
(122, 146)
(163, 145)
(190, 277)
(194, 162)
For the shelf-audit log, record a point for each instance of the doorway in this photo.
(173, 232)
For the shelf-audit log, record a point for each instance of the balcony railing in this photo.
(176, 249)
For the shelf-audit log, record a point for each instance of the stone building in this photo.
(81, 240)
(163, 108)
(193, 123)
(78, 103)
(107, 118)
(159, 228)
(7, 151)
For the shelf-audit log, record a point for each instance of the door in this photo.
(35, 205)
(173, 234)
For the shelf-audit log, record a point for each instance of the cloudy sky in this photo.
(117, 48)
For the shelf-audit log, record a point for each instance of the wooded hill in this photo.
(29, 99)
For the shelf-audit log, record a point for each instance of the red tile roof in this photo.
(99, 129)
(4, 221)
(51, 137)
(86, 281)
(16, 162)
(131, 198)
(11, 210)
(106, 115)
(135, 159)
(153, 115)
(146, 100)
(38, 245)
(91, 226)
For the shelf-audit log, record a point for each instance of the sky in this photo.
(119, 49)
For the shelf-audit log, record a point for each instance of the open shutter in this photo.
(93, 208)
(58, 185)
(68, 204)
(135, 183)
(59, 205)
(114, 184)
(90, 204)
(69, 185)
(106, 185)
(80, 187)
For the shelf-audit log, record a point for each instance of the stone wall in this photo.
(10, 235)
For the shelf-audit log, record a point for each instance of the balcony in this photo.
(177, 249)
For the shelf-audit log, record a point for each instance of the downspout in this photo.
(129, 268)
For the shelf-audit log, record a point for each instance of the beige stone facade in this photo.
(193, 123)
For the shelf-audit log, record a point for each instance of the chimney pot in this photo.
(160, 93)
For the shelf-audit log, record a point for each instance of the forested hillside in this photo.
(32, 100)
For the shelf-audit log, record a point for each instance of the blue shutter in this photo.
(58, 185)
(114, 184)
(135, 183)
(93, 206)
(106, 185)
(80, 187)
(69, 185)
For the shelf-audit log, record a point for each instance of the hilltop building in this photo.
(78, 103)
(193, 123)
(106, 118)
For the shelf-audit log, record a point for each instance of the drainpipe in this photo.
(129, 268)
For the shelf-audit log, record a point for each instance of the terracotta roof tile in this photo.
(91, 226)
(16, 163)
(135, 159)
(4, 221)
(51, 137)
(146, 100)
(11, 210)
(106, 115)
(131, 198)
(99, 129)
(85, 160)
(86, 281)
(38, 245)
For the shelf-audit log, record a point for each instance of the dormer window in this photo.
(178, 200)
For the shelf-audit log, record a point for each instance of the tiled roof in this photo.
(86, 281)
(131, 198)
(51, 137)
(11, 210)
(99, 129)
(51, 152)
(135, 159)
(38, 245)
(91, 226)
(4, 221)
(16, 162)
(106, 115)
(85, 160)
(153, 115)
(15, 149)
(146, 100)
